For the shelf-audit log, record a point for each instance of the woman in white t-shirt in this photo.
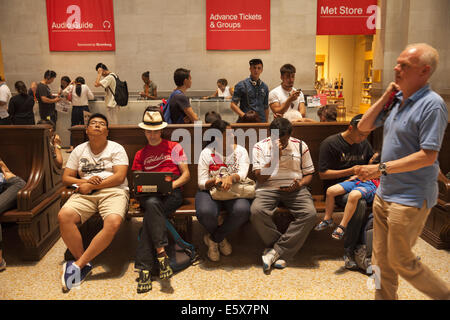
(223, 90)
(217, 170)
(80, 94)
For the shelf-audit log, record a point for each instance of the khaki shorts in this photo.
(105, 201)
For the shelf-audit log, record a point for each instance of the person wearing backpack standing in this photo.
(159, 155)
(109, 83)
(180, 109)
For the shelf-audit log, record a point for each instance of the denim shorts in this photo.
(367, 188)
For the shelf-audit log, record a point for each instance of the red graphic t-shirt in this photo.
(164, 157)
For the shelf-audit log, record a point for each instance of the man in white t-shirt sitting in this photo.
(283, 168)
(286, 101)
(5, 96)
(98, 171)
(109, 83)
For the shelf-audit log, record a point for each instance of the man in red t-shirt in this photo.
(158, 155)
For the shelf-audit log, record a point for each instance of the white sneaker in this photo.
(213, 248)
(269, 258)
(225, 247)
(279, 263)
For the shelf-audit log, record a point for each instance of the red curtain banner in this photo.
(344, 17)
(80, 25)
(238, 25)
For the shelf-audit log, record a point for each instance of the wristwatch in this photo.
(382, 168)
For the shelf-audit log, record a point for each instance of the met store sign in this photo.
(346, 17)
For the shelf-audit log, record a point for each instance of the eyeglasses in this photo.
(100, 123)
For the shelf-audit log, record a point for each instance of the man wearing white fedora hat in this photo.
(158, 155)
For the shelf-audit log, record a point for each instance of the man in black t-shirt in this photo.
(45, 98)
(180, 107)
(339, 156)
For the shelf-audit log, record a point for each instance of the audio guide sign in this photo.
(238, 25)
(80, 25)
(340, 17)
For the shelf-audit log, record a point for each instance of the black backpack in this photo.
(121, 94)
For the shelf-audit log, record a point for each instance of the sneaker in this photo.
(165, 271)
(279, 264)
(72, 275)
(269, 259)
(213, 248)
(2, 265)
(144, 281)
(350, 263)
(225, 247)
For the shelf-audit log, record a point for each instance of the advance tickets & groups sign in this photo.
(238, 25)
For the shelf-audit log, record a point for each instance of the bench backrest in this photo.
(26, 151)
(132, 139)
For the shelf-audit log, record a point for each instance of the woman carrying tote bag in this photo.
(222, 166)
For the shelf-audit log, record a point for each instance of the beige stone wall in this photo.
(159, 36)
(412, 21)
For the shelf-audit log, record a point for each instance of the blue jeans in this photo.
(154, 231)
(208, 210)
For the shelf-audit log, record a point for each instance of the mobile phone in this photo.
(392, 100)
(285, 187)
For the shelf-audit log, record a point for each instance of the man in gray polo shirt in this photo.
(414, 126)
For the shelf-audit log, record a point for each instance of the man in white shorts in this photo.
(109, 83)
(286, 101)
(98, 171)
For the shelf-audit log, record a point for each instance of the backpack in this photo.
(181, 254)
(363, 251)
(121, 94)
(165, 106)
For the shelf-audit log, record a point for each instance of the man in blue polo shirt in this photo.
(252, 93)
(414, 126)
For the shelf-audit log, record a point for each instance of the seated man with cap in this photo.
(158, 155)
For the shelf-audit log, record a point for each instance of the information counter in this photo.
(132, 113)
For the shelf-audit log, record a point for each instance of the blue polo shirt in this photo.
(419, 124)
(250, 97)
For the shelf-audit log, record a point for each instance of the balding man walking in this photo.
(414, 126)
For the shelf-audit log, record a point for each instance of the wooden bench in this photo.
(26, 151)
(436, 230)
(132, 139)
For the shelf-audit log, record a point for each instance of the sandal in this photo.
(339, 235)
(324, 224)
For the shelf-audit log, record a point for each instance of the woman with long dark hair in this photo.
(222, 163)
(81, 94)
(20, 106)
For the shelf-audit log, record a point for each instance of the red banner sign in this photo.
(80, 25)
(336, 17)
(238, 25)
